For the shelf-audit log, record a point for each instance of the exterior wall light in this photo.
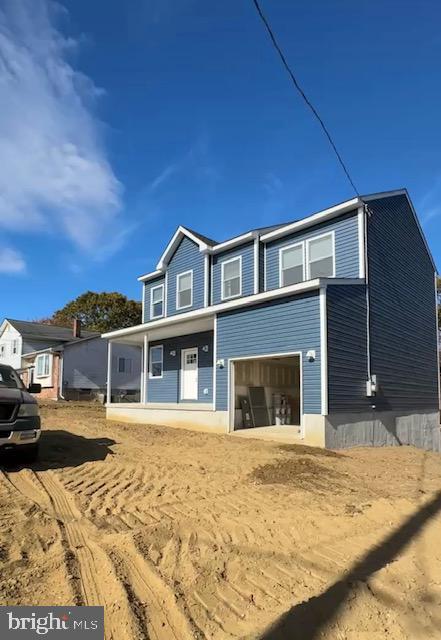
(205, 348)
(311, 355)
(173, 353)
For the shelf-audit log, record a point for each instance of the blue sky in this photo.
(121, 121)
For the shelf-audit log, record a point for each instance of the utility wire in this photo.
(302, 93)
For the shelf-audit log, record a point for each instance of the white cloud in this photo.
(54, 174)
(11, 261)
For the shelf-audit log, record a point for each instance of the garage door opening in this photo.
(266, 391)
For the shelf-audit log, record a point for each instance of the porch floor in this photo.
(287, 434)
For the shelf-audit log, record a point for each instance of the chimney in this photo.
(76, 328)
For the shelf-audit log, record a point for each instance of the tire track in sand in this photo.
(99, 583)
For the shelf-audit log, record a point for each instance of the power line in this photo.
(302, 93)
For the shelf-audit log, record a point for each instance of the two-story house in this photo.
(68, 363)
(324, 327)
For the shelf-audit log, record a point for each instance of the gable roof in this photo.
(40, 331)
(278, 230)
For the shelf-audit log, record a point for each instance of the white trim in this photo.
(183, 354)
(368, 302)
(309, 221)
(143, 301)
(156, 346)
(214, 362)
(403, 192)
(231, 383)
(49, 365)
(178, 276)
(166, 294)
(158, 286)
(211, 281)
(292, 246)
(145, 368)
(246, 301)
(151, 275)
(256, 264)
(174, 242)
(361, 243)
(60, 374)
(206, 278)
(264, 267)
(223, 263)
(229, 244)
(323, 352)
(313, 239)
(109, 372)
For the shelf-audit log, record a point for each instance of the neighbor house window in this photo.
(321, 257)
(184, 290)
(157, 301)
(156, 362)
(232, 278)
(42, 365)
(2, 350)
(292, 264)
(14, 347)
(124, 365)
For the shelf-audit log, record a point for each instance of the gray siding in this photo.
(186, 257)
(347, 349)
(403, 329)
(346, 248)
(148, 286)
(29, 345)
(167, 388)
(247, 253)
(85, 365)
(280, 326)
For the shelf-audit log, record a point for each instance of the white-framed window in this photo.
(157, 301)
(184, 290)
(124, 365)
(43, 365)
(156, 361)
(292, 264)
(2, 350)
(231, 274)
(14, 347)
(320, 253)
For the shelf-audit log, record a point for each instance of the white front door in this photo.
(189, 374)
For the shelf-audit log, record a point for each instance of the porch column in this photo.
(145, 369)
(109, 372)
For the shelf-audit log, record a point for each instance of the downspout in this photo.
(60, 375)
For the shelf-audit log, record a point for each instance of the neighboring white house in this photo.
(68, 363)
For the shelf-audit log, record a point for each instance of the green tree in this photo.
(99, 312)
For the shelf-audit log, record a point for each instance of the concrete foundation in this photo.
(195, 416)
(381, 429)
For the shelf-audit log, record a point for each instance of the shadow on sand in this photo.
(308, 620)
(60, 449)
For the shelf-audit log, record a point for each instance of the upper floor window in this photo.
(292, 264)
(232, 278)
(157, 301)
(14, 347)
(2, 350)
(321, 258)
(42, 365)
(156, 361)
(124, 365)
(184, 290)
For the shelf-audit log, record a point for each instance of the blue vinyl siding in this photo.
(247, 253)
(148, 286)
(346, 248)
(347, 349)
(167, 388)
(280, 326)
(186, 257)
(402, 293)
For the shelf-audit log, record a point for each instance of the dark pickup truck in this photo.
(20, 426)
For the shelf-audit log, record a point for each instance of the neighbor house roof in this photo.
(40, 331)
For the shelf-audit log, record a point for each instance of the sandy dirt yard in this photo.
(182, 534)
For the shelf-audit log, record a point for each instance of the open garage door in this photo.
(266, 392)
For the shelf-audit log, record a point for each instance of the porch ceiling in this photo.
(168, 331)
